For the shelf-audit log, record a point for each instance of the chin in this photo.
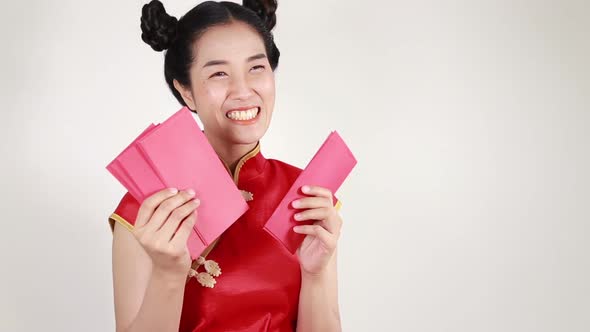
(245, 136)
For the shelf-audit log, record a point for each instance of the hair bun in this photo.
(265, 9)
(158, 29)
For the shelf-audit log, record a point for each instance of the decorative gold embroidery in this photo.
(205, 278)
(248, 196)
(212, 268)
(201, 260)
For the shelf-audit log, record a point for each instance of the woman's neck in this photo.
(230, 153)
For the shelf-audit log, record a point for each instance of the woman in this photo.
(220, 63)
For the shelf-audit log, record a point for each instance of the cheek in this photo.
(266, 87)
(212, 94)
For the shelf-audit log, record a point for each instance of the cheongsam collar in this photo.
(250, 165)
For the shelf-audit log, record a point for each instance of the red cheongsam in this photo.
(258, 289)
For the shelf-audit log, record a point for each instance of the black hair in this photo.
(164, 32)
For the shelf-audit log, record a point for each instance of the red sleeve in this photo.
(125, 213)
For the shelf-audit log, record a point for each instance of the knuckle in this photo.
(188, 222)
(150, 200)
(175, 215)
(176, 252)
(168, 205)
(159, 247)
(148, 204)
(192, 217)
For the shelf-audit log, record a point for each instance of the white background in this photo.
(468, 209)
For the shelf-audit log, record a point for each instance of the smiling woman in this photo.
(220, 62)
(231, 61)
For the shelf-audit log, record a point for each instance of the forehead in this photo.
(235, 41)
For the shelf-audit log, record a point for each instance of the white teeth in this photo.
(243, 115)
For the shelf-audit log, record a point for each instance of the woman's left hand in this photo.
(319, 245)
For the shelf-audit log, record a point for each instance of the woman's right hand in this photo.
(163, 225)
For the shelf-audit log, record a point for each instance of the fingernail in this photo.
(198, 201)
(297, 216)
(173, 190)
(190, 192)
(295, 204)
(305, 189)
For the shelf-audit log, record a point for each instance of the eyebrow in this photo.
(223, 62)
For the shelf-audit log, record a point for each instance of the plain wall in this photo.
(468, 209)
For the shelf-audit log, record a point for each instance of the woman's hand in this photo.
(319, 245)
(163, 225)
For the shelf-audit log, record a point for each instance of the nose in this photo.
(240, 88)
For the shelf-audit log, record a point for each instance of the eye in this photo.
(258, 67)
(218, 74)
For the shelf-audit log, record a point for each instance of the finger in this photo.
(317, 191)
(332, 223)
(321, 233)
(180, 237)
(311, 202)
(176, 217)
(166, 208)
(313, 214)
(150, 204)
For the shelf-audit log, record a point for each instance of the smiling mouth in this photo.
(244, 115)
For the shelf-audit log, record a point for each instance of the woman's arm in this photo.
(318, 297)
(318, 301)
(145, 299)
(151, 262)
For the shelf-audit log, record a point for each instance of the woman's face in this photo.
(232, 84)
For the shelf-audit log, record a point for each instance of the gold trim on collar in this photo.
(243, 161)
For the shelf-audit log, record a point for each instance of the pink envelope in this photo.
(328, 168)
(177, 154)
(181, 156)
(116, 168)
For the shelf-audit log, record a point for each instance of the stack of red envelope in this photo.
(176, 154)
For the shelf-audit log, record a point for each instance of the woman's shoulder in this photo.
(285, 167)
(126, 212)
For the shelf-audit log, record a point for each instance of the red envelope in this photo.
(183, 158)
(116, 168)
(177, 154)
(328, 168)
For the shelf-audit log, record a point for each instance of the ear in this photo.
(186, 94)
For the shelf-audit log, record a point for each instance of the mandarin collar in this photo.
(250, 165)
